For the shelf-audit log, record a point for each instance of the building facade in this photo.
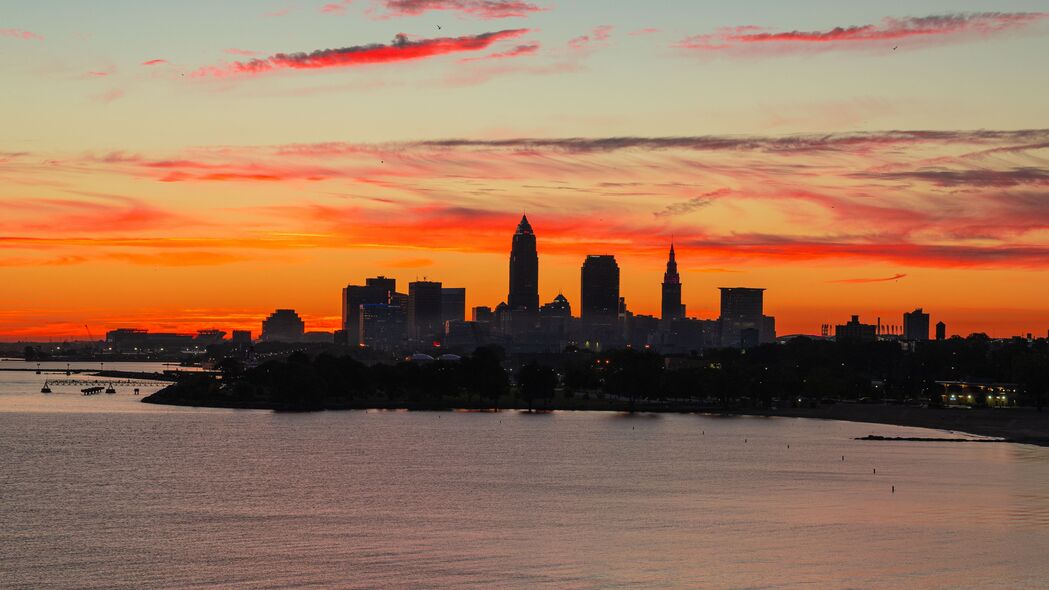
(283, 325)
(916, 326)
(524, 270)
(672, 309)
(743, 322)
(424, 310)
(599, 290)
(855, 331)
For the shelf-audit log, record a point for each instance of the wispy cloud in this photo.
(240, 52)
(697, 202)
(895, 277)
(400, 49)
(336, 7)
(155, 62)
(21, 34)
(518, 51)
(891, 33)
(483, 9)
(1010, 177)
(598, 35)
(843, 198)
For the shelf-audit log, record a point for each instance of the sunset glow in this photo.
(846, 159)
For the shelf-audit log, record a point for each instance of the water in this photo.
(105, 492)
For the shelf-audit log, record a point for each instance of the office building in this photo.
(381, 326)
(453, 304)
(375, 290)
(599, 293)
(524, 270)
(941, 331)
(916, 326)
(742, 320)
(424, 310)
(672, 307)
(283, 325)
(482, 314)
(855, 331)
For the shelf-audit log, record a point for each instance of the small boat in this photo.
(110, 389)
(45, 388)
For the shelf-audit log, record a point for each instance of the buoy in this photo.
(843, 457)
(894, 489)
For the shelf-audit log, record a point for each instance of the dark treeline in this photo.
(758, 377)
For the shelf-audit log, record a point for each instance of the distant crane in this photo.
(89, 336)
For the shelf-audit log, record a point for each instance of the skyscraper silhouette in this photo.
(916, 325)
(672, 308)
(524, 270)
(599, 301)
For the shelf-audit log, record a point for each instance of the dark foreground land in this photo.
(1019, 425)
(725, 382)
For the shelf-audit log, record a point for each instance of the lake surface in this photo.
(106, 492)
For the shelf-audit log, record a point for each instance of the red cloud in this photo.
(895, 277)
(485, 9)
(527, 49)
(401, 49)
(114, 213)
(599, 34)
(336, 7)
(20, 34)
(155, 62)
(241, 52)
(910, 31)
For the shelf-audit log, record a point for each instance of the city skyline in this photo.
(829, 152)
(380, 292)
(376, 315)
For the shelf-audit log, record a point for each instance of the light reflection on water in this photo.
(118, 494)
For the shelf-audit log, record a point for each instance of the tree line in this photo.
(756, 377)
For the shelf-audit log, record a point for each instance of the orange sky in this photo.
(848, 160)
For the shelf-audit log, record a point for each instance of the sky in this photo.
(192, 165)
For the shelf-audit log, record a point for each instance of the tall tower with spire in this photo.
(524, 270)
(672, 307)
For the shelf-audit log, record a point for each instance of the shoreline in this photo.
(1013, 425)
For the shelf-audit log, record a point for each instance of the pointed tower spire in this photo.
(672, 308)
(524, 227)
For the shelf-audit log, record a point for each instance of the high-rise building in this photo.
(742, 314)
(855, 331)
(283, 325)
(241, 337)
(916, 325)
(424, 310)
(453, 304)
(941, 331)
(384, 284)
(524, 270)
(381, 326)
(483, 314)
(559, 307)
(375, 290)
(672, 307)
(599, 298)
